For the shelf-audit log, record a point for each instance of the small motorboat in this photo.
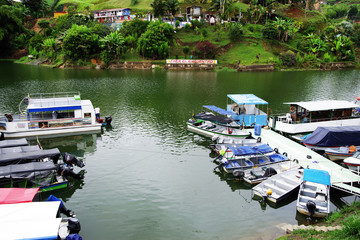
(341, 153)
(353, 163)
(314, 194)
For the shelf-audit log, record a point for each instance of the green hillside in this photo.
(108, 4)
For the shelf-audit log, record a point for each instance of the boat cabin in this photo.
(247, 109)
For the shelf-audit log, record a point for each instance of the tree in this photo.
(159, 8)
(36, 7)
(135, 27)
(186, 50)
(172, 6)
(205, 49)
(154, 43)
(80, 42)
(353, 12)
(236, 31)
(10, 26)
(114, 43)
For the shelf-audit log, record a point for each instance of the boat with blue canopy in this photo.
(247, 109)
(52, 114)
(314, 194)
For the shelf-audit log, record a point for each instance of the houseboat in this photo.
(305, 117)
(51, 114)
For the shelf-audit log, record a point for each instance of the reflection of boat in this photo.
(341, 153)
(305, 117)
(314, 194)
(279, 186)
(333, 137)
(245, 108)
(52, 114)
(353, 163)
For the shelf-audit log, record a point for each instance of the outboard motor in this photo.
(62, 208)
(67, 171)
(74, 225)
(108, 120)
(71, 159)
(269, 172)
(311, 207)
(238, 174)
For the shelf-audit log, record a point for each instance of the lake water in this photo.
(147, 177)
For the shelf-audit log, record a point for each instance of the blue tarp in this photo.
(317, 176)
(334, 136)
(263, 148)
(218, 110)
(246, 99)
(243, 150)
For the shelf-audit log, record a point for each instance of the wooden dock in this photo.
(310, 159)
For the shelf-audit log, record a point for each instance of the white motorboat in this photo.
(305, 117)
(335, 154)
(210, 129)
(314, 194)
(52, 114)
(353, 163)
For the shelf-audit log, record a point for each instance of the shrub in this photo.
(327, 58)
(270, 31)
(177, 23)
(204, 32)
(205, 49)
(353, 12)
(135, 26)
(352, 226)
(236, 31)
(35, 43)
(186, 50)
(44, 24)
(195, 24)
(187, 27)
(288, 58)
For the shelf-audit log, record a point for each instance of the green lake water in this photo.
(147, 177)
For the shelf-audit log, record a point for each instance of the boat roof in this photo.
(218, 110)
(13, 143)
(54, 104)
(317, 176)
(246, 99)
(17, 195)
(11, 158)
(324, 105)
(26, 167)
(334, 136)
(32, 220)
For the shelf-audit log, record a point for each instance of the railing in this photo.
(53, 95)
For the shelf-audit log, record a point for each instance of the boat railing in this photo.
(53, 95)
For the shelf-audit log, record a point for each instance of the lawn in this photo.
(246, 52)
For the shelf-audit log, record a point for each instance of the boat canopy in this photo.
(317, 176)
(263, 148)
(243, 150)
(212, 118)
(246, 99)
(26, 167)
(17, 195)
(334, 136)
(218, 110)
(32, 220)
(324, 105)
(13, 143)
(54, 104)
(13, 158)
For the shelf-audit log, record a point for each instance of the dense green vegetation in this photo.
(287, 34)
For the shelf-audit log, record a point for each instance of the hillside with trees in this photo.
(296, 34)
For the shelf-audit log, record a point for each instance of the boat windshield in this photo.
(356, 155)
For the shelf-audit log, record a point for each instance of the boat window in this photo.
(87, 115)
(65, 114)
(41, 115)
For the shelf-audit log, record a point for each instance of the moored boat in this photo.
(353, 162)
(52, 114)
(333, 137)
(341, 153)
(314, 194)
(305, 117)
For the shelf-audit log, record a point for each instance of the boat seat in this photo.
(284, 185)
(308, 192)
(321, 197)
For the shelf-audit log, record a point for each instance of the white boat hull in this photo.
(208, 133)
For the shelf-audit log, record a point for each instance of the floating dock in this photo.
(340, 177)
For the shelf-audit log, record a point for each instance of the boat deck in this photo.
(310, 159)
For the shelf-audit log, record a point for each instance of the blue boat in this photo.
(245, 109)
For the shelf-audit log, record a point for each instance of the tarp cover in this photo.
(334, 136)
(317, 176)
(218, 110)
(13, 143)
(263, 148)
(243, 150)
(17, 195)
(212, 118)
(14, 158)
(26, 167)
(19, 149)
(246, 99)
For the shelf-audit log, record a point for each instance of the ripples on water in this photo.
(147, 177)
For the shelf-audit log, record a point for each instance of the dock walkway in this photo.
(310, 159)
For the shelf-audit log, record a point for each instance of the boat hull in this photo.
(211, 134)
(54, 131)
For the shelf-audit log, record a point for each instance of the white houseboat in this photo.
(305, 117)
(51, 114)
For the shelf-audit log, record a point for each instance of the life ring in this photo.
(292, 109)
